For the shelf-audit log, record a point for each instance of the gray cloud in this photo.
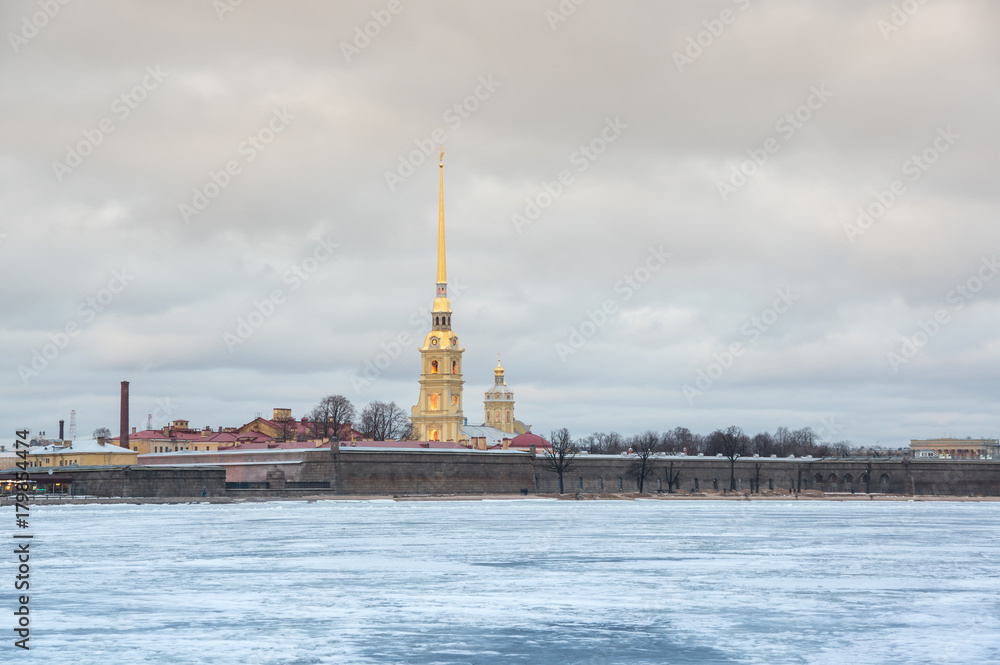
(521, 293)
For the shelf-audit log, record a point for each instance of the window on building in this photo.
(454, 400)
(454, 363)
(435, 401)
(434, 367)
(579, 483)
(600, 483)
(435, 435)
(619, 483)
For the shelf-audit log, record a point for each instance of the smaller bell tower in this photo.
(499, 403)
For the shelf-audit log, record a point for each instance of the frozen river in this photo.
(524, 581)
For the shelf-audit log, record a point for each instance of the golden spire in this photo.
(441, 302)
(442, 277)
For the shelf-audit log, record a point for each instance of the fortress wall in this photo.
(137, 481)
(360, 471)
(589, 473)
(415, 472)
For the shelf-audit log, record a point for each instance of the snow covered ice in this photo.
(521, 581)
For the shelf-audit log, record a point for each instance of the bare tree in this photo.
(330, 416)
(683, 441)
(673, 478)
(732, 443)
(804, 442)
(677, 440)
(383, 421)
(756, 476)
(601, 443)
(783, 442)
(643, 446)
(102, 433)
(559, 459)
(841, 448)
(762, 444)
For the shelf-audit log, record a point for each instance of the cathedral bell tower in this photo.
(438, 413)
(499, 403)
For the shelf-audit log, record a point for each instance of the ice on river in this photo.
(521, 581)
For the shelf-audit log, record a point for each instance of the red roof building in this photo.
(525, 441)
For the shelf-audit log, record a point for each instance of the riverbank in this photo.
(808, 495)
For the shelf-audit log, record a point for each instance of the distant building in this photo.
(82, 452)
(283, 427)
(179, 436)
(956, 448)
(8, 458)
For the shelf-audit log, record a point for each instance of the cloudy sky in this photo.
(698, 214)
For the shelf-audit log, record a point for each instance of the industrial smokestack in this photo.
(61, 424)
(123, 431)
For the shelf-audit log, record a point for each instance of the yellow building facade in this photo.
(84, 452)
(437, 416)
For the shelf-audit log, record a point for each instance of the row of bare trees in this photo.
(783, 442)
(731, 443)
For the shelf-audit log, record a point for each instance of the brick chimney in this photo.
(123, 428)
(61, 424)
